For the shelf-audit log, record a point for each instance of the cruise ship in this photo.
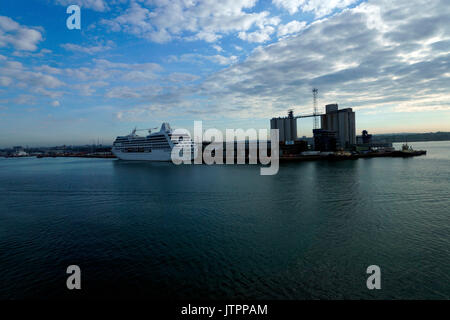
(156, 146)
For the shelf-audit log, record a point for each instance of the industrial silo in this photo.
(280, 126)
(293, 129)
(287, 129)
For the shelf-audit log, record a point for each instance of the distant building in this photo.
(342, 122)
(287, 127)
(18, 151)
(324, 140)
(294, 148)
(366, 137)
(365, 142)
(331, 107)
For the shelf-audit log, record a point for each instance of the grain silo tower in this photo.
(287, 127)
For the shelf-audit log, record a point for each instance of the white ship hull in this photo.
(155, 155)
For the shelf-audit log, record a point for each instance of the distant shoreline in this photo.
(412, 137)
(377, 138)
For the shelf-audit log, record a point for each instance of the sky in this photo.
(232, 64)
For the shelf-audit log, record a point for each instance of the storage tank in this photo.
(280, 125)
(294, 129)
(273, 123)
(286, 126)
(287, 129)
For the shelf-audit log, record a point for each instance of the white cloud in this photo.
(200, 58)
(24, 99)
(217, 48)
(178, 77)
(259, 36)
(24, 77)
(138, 114)
(48, 69)
(290, 28)
(124, 92)
(222, 60)
(103, 63)
(25, 54)
(85, 89)
(88, 49)
(5, 81)
(320, 8)
(17, 36)
(163, 20)
(45, 80)
(291, 5)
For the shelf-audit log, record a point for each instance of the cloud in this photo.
(24, 99)
(200, 58)
(133, 72)
(46, 81)
(17, 36)
(217, 48)
(261, 35)
(48, 69)
(178, 77)
(85, 89)
(123, 92)
(320, 8)
(97, 5)
(163, 20)
(369, 56)
(5, 81)
(290, 28)
(24, 77)
(87, 49)
(26, 54)
(138, 114)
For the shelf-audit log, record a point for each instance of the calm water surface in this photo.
(153, 230)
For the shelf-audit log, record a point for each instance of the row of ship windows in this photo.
(143, 141)
(185, 137)
(142, 138)
(148, 140)
(141, 149)
(152, 145)
(142, 144)
(145, 146)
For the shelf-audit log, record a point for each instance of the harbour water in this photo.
(156, 230)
